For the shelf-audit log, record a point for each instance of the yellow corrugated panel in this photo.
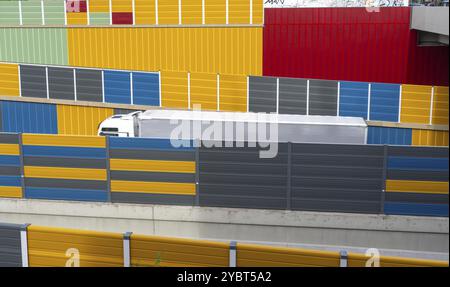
(154, 251)
(122, 5)
(65, 173)
(215, 11)
(152, 165)
(436, 187)
(168, 12)
(54, 247)
(76, 18)
(79, 120)
(233, 93)
(204, 91)
(416, 104)
(145, 12)
(360, 260)
(174, 89)
(429, 138)
(58, 140)
(9, 80)
(191, 12)
(250, 255)
(153, 187)
(99, 6)
(234, 51)
(440, 106)
(9, 149)
(11, 191)
(258, 12)
(239, 11)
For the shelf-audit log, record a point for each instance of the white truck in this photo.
(230, 126)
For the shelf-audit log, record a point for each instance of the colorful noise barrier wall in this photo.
(371, 179)
(40, 246)
(426, 105)
(131, 12)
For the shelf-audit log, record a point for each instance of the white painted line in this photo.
(307, 97)
(42, 12)
(156, 12)
(20, 13)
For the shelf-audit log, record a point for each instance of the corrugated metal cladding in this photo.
(390, 136)
(203, 50)
(65, 167)
(151, 171)
(416, 104)
(117, 87)
(384, 102)
(122, 12)
(21, 117)
(341, 178)
(350, 44)
(61, 83)
(440, 106)
(10, 167)
(10, 245)
(49, 45)
(251, 255)
(353, 99)
(323, 97)
(54, 247)
(80, 120)
(262, 94)
(293, 96)
(33, 81)
(146, 89)
(9, 80)
(89, 85)
(150, 251)
(417, 181)
(429, 138)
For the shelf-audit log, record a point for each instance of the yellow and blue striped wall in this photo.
(10, 166)
(417, 181)
(406, 136)
(152, 171)
(65, 167)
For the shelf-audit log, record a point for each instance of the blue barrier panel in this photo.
(390, 136)
(145, 89)
(117, 87)
(384, 102)
(353, 99)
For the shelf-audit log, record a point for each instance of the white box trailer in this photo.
(230, 126)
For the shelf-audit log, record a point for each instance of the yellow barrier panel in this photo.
(215, 11)
(59, 247)
(239, 11)
(64, 173)
(429, 138)
(440, 106)
(59, 140)
(100, 6)
(360, 260)
(153, 187)
(174, 90)
(168, 12)
(233, 93)
(152, 165)
(156, 251)
(76, 18)
(121, 6)
(145, 12)
(78, 120)
(9, 80)
(9, 149)
(249, 255)
(191, 12)
(416, 104)
(11, 191)
(415, 186)
(204, 91)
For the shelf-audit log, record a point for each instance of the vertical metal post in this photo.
(251, 12)
(20, 79)
(88, 15)
(343, 258)
(110, 12)
(22, 169)
(248, 94)
(203, 12)
(226, 12)
(369, 95)
(126, 249)
(307, 97)
(431, 105)
(65, 13)
(108, 169)
(20, 13)
(400, 103)
(75, 84)
(160, 88)
(180, 21)
(197, 175)
(156, 13)
(383, 178)
(24, 244)
(131, 89)
(42, 12)
(233, 254)
(46, 81)
(289, 176)
(103, 86)
(338, 98)
(134, 11)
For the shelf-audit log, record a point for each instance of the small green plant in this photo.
(158, 259)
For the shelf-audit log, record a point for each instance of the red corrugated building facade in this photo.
(350, 44)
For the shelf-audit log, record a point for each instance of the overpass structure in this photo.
(405, 236)
(432, 24)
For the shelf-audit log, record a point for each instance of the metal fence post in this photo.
(233, 254)
(289, 175)
(343, 258)
(24, 244)
(197, 176)
(126, 249)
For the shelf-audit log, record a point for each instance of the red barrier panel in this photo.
(350, 44)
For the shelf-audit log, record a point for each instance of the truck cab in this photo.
(120, 125)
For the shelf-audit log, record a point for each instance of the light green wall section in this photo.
(54, 12)
(99, 18)
(34, 45)
(31, 12)
(9, 13)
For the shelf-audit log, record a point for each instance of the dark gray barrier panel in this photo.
(323, 97)
(60, 83)
(89, 85)
(238, 177)
(262, 94)
(10, 246)
(292, 96)
(337, 178)
(33, 81)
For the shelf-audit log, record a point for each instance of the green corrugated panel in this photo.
(31, 12)
(54, 12)
(34, 45)
(9, 13)
(98, 18)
